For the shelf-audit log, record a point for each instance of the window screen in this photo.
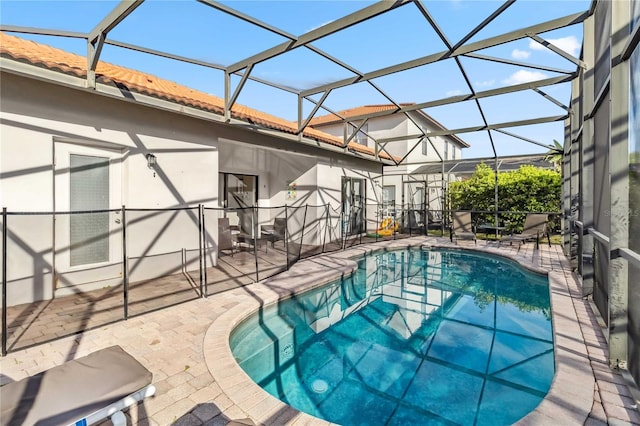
(603, 51)
(89, 190)
(634, 148)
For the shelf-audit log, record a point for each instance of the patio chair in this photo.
(226, 240)
(462, 227)
(415, 220)
(245, 223)
(246, 235)
(275, 232)
(83, 391)
(535, 227)
(433, 218)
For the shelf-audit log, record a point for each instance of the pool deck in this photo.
(199, 383)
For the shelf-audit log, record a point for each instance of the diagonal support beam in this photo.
(291, 37)
(302, 125)
(552, 99)
(518, 63)
(633, 41)
(461, 67)
(192, 61)
(93, 56)
(382, 148)
(463, 50)
(557, 50)
(117, 15)
(350, 137)
(532, 85)
(513, 135)
(97, 36)
(325, 30)
(412, 149)
(234, 97)
(250, 19)
(518, 123)
(483, 24)
(94, 52)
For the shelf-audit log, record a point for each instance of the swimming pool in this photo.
(413, 337)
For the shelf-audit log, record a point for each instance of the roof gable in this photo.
(357, 113)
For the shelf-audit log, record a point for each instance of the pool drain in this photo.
(319, 386)
(287, 351)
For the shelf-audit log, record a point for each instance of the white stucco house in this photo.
(160, 158)
(139, 141)
(401, 188)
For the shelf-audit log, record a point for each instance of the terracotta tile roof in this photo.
(370, 109)
(352, 112)
(44, 56)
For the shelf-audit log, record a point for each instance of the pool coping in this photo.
(569, 400)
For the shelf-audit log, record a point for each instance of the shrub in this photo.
(528, 189)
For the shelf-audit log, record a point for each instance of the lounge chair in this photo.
(535, 227)
(83, 391)
(462, 227)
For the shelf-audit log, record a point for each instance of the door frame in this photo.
(62, 149)
(348, 181)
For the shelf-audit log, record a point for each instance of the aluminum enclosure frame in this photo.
(97, 37)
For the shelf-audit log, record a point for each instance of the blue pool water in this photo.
(413, 337)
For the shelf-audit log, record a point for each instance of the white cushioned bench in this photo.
(82, 391)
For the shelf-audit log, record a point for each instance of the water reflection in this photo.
(413, 336)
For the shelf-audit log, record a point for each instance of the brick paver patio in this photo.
(186, 348)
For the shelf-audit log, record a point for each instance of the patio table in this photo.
(498, 230)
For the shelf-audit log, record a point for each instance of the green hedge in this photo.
(529, 189)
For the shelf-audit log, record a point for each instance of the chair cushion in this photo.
(73, 390)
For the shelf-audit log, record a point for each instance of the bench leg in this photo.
(115, 409)
(118, 419)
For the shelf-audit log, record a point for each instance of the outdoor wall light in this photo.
(151, 161)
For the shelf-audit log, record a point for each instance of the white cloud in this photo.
(524, 76)
(454, 92)
(486, 83)
(520, 54)
(569, 44)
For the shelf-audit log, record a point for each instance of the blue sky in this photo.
(196, 30)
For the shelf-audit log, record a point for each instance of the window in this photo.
(353, 204)
(453, 152)
(89, 190)
(425, 147)
(361, 137)
(389, 195)
(238, 191)
(446, 150)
